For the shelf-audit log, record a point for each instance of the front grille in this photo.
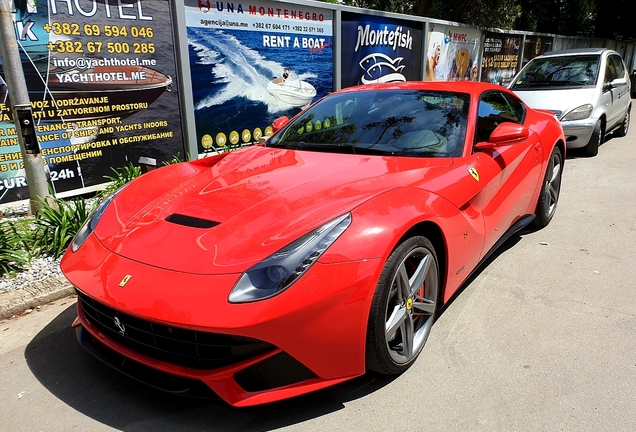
(179, 346)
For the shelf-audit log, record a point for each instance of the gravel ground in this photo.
(39, 270)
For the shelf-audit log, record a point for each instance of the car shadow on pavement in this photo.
(95, 390)
(579, 153)
(508, 244)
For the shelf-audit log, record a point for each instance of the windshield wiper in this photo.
(333, 148)
(533, 83)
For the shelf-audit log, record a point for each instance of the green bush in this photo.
(57, 223)
(175, 160)
(122, 176)
(14, 255)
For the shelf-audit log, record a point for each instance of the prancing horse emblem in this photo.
(120, 326)
(124, 281)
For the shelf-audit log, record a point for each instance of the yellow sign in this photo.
(221, 139)
(206, 141)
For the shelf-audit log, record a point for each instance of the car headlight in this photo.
(91, 222)
(580, 113)
(277, 272)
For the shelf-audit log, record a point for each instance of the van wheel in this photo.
(591, 149)
(624, 127)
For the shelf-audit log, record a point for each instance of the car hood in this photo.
(226, 217)
(561, 101)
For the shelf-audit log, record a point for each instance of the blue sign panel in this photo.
(379, 50)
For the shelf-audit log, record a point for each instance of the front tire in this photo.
(404, 307)
(546, 207)
(591, 149)
(624, 127)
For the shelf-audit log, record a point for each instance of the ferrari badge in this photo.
(125, 280)
(473, 172)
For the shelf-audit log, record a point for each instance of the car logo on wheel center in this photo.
(409, 304)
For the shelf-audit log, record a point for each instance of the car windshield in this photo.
(384, 122)
(563, 71)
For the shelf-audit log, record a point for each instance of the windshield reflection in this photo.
(387, 122)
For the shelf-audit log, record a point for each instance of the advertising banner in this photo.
(500, 59)
(535, 46)
(252, 63)
(379, 50)
(453, 53)
(100, 76)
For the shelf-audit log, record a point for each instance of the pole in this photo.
(21, 109)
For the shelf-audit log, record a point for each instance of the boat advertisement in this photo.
(452, 53)
(500, 59)
(100, 80)
(379, 50)
(252, 62)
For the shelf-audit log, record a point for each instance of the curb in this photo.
(46, 291)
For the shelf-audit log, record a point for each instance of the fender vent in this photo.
(190, 221)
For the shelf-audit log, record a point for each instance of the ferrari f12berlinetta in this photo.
(315, 256)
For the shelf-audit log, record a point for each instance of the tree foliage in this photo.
(593, 18)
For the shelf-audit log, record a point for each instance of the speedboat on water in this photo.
(292, 90)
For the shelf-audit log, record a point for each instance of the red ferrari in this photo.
(324, 252)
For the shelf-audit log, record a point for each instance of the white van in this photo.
(587, 89)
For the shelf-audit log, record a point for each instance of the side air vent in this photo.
(190, 221)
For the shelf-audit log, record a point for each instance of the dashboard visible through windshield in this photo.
(386, 122)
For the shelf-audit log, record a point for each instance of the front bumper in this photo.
(578, 133)
(315, 330)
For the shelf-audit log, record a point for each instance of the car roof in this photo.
(577, 51)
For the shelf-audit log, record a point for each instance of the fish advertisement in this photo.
(452, 54)
(500, 58)
(379, 50)
(100, 76)
(253, 62)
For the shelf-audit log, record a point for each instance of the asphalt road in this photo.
(543, 338)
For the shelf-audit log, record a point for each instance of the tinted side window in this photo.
(618, 65)
(494, 109)
(517, 106)
(610, 70)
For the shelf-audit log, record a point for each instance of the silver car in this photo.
(587, 89)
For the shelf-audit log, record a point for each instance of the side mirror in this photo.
(504, 134)
(618, 82)
(279, 123)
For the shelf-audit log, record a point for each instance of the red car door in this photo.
(510, 172)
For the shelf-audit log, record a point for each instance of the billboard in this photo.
(452, 53)
(379, 50)
(500, 58)
(252, 63)
(534, 46)
(100, 77)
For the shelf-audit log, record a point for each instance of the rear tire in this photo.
(404, 307)
(591, 149)
(546, 207)
(624, 127)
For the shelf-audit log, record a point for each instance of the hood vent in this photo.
(190, 221)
